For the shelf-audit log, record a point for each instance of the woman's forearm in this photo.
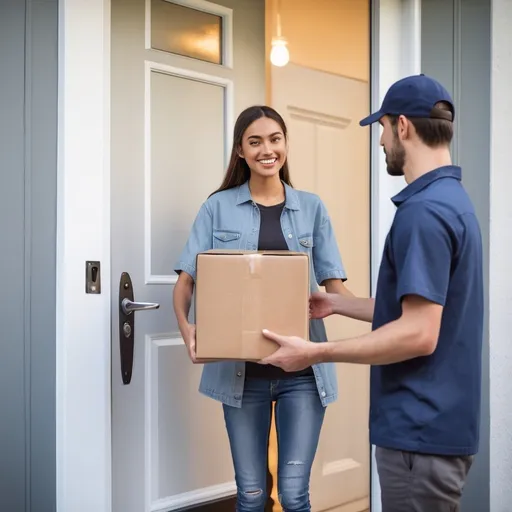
(345, 303)
(337, 286)
(354, 307)
(182, 296)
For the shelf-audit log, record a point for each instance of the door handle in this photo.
(127, 324)
(129, 306)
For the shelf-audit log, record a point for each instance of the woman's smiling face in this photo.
(264, 147)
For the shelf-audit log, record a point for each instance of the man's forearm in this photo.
(394, 342)
(354, 307)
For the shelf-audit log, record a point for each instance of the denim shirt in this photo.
(231, 220)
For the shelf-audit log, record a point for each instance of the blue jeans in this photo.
(299, 418)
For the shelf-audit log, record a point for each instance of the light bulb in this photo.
(279, 55)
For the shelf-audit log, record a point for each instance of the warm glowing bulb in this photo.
(279, 55)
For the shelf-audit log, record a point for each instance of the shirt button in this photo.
(290, 236)
(323, 394)
(239, 374)
(237, 397)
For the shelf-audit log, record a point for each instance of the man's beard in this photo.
(395, 159)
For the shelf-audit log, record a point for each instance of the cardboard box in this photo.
(240, 293)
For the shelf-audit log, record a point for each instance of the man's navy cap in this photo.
(414, 96)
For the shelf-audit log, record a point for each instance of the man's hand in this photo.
(321, 304)
(189, 338)
(294, 354)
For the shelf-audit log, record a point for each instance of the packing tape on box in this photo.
(252, 305)
(254, 263)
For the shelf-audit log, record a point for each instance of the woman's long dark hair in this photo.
(238, 171)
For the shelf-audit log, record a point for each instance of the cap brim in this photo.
(373, 118)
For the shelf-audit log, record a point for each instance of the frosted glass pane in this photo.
(186, 31)
(187, 160)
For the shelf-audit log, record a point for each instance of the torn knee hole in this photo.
(253, 493)
(295, 463)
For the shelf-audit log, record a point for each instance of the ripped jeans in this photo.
(299, 418)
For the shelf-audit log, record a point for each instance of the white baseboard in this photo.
(188, 499)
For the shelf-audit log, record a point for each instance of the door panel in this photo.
(329, 155)
(175, 163)
(171, 122)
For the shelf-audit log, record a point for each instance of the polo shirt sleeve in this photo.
(326, 255)
(422, 247)
(199, 240)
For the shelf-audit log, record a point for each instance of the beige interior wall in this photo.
(327, 35)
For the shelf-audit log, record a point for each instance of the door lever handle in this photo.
(129, 306)
(126, 307)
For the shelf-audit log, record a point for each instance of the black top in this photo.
(271, 239)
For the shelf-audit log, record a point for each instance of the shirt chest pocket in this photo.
(306, 243)
(224, 239)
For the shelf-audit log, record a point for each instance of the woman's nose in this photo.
(266, 149)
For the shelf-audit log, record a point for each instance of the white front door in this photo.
(180, 73)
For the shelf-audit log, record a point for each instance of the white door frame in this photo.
(83, 406)
(83, 395)
(396, 53)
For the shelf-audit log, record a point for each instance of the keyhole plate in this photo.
(92, 277)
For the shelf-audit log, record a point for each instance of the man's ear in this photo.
(403, 128)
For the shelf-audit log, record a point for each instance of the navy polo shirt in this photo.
(434, 250)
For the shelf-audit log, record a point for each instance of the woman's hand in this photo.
(189, 337)
(321, 304)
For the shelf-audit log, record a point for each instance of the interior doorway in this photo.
(322, 92)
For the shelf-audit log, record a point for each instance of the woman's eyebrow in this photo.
(259, 136)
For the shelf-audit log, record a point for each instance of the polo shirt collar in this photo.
(291, 201)
(448, 171)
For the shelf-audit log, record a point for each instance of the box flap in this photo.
(238, 252)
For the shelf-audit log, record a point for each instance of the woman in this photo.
(256, 208)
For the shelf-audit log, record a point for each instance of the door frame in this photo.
(395, 53)
(83, 357)
(83, 405)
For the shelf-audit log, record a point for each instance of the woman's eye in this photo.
(254, 143)
(276, 140)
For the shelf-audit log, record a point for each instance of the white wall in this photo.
(500, 278)
(398, 55)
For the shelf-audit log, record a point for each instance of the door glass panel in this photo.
(187, 143)
(186, 31)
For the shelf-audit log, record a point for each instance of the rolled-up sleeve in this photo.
(326, 255)
(199, 240)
